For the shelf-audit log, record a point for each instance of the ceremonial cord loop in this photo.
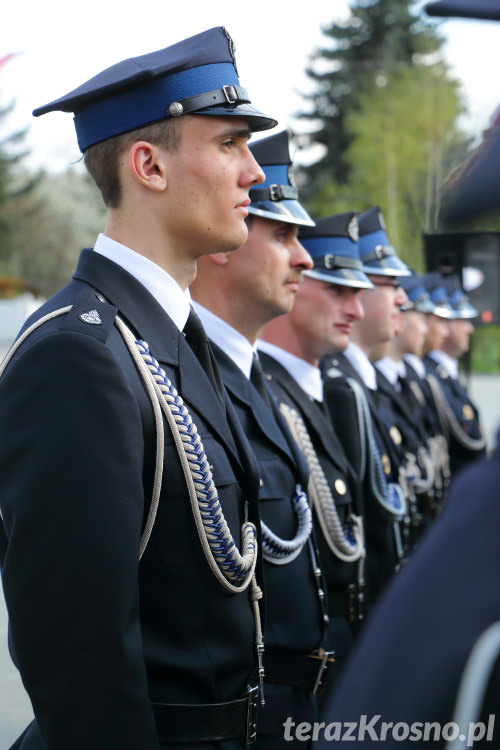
(346, 543)
(232, 569)
(388, 494)
(281, 551)
(449, 423)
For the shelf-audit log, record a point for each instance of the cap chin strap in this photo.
(227, 95)
(274, 193)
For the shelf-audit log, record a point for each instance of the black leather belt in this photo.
(301, 670)
(208, 722)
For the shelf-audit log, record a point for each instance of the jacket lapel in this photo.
(149, 322)
(317, 423)
(242, 391)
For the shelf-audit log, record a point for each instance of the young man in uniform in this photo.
(235, 295)
(290, 348)
(459, 415)
(113, 651)
(351, 389)
(413, 409)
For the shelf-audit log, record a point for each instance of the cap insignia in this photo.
(353, 229)
(232, 48)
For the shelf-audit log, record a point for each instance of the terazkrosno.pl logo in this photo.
(372, 728)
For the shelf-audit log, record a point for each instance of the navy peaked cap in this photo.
(333, 246)
(458, 300)
(435, 288)
(277, 197)
(196, 75)
(487, 10)
(377, 254)
(418, 298)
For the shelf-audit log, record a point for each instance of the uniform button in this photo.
(395, 435)
(340, 486)
(468, 411)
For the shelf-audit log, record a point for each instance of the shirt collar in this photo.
(362, 364)
(391, 369)
(306, 375)
(227, 338)
(158, 282)
(450, 365)
(417, 364)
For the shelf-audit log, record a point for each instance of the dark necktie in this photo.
(322, 407)
(198, 341)
(258, 380)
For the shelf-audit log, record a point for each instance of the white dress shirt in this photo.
(306, 375)
(158, 282)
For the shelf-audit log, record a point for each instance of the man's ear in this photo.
(147, 165)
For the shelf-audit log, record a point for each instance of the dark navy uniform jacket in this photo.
(404, 422)
(294, 620)
(465, 412)
(422, 408)
(412, 652)
(382, 557)
(340, 575)
(97, 635)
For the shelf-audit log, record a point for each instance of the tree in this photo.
(401, 137)
(379, 40)
(44, 219)
(51, 225)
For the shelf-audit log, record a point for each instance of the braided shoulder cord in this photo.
(281, 551)
(388, 494)
(232, 570)
(449, 421)
(236, 571)
(346, 544)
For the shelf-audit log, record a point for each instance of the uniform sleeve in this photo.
(71, 458)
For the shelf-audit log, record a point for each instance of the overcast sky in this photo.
(61, 44)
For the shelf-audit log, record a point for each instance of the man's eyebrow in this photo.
(238, 132)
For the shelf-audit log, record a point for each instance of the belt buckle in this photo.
(326, 658)
(251, 733)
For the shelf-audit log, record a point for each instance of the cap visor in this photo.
(289, 211)
(391, 265)
(341, 277)
(443, 311)
(466, 312)
(256, 119)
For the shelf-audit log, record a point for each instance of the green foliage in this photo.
(485, 350)
(399, 138)
(380, 39)
(63, 214)
(393, 108)
(44, 219)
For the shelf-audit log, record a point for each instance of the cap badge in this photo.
(353, 229)
(232, 48)
(381, 220)
(92, 317)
